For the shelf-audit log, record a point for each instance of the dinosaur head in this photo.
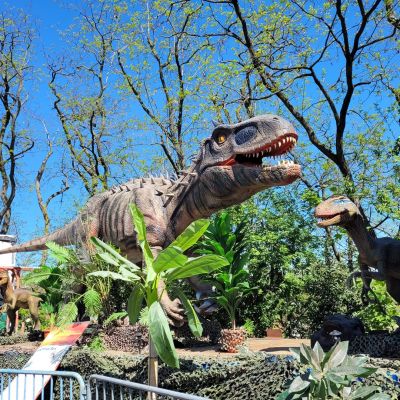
(3, 278)
(336, 210)
(237, 161)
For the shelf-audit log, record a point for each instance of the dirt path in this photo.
(272, 345)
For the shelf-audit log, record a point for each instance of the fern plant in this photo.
(69, 282)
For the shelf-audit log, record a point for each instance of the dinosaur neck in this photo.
(199, 200)
(8, 292)
(361, 237)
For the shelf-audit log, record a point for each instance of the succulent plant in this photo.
(331, 375)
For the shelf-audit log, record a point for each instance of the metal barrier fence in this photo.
(16, 384)
(63, 385)
(106, 388)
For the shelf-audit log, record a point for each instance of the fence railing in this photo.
(17, 384)
(64, 385)
(106, 388)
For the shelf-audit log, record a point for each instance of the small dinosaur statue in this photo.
(228, 170)
(14, 299)
(380, 254)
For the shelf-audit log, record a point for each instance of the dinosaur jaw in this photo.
(256, 163)
(328, 220)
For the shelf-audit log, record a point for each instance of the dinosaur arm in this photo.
(204, 291)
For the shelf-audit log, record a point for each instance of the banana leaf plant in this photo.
(230, 282)
(170, 264)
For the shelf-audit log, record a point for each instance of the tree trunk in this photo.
(152, 369)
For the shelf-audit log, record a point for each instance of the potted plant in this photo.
(170, 264)
(230, 282)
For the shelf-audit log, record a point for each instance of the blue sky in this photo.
(49, 18)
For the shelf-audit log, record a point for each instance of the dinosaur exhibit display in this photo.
(379, 258)
(337, 327)
(14, 299)
(228, 169)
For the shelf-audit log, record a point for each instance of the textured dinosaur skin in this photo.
(228, 170)
(381, 254)
(16, 299)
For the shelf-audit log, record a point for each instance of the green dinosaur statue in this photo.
(14, 299)
(379, 258)
(228, 170)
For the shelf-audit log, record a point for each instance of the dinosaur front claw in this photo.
(174, 310)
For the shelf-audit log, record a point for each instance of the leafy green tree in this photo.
(280, 235)
(16, 37)
(91, 115)
(164, 64)
(329, 66)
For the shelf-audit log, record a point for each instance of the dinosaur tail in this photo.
(69, 234)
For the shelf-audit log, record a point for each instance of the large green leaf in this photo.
(109, 274)
(140, 228)
(106, 248)
(109, 259)
(171, 257)
(196, 266)
(366, 392)
(38, 275)
(161, 335)
(135, 302)
(191, 234)
(298, 385)
(338, 355)
(128, 274)
(193, 320)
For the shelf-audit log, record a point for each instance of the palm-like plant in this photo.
(170, 264)
(230, 283)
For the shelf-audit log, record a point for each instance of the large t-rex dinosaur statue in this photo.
(380, 254)
(14, 299)
(228, 170)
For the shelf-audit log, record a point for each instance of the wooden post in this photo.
(152, 369)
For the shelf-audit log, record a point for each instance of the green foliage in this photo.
(114, 317)
(249, 327)
(302, 301)
(67, 314)
(379, 313)
(146, 282)
(96, 344)
(331, 375)
(230, 283)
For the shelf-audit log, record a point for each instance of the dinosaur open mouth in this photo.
(326, 220)
(276, 148)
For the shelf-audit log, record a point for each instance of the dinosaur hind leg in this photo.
(12, 316)
(33, 306)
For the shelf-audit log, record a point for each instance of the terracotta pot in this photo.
(46, 332)
(274, 332)
(231, 338)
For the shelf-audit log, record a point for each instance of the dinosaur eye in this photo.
(220, 138)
